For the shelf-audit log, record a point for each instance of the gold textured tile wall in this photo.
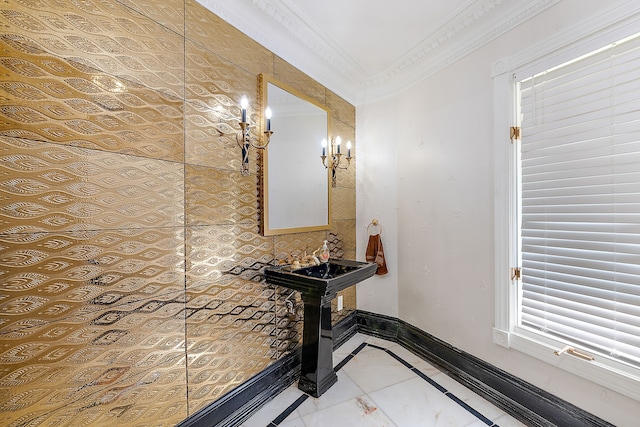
(169, 13)
(285, 72)
(214, 87)
(92, 74)
(342, 243)
(131, 287)
(50, 187)
(92, 327)
(218, 196)
(230, 314)
(346, 178)
(342, 238)
(341, 109)
(214, 34)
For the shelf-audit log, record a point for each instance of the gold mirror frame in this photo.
(291, 193)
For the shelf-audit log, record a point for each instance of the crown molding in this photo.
(461, 22)
(436, 57)
(618, 22)
(280, 27)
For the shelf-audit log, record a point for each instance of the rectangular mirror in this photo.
(295, 183)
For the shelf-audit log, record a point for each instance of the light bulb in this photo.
(244, 103)
(267, 114)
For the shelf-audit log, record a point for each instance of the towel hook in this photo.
(374, 223)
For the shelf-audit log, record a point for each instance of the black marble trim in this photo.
(520, 399)
(349, 357)
(409, 366)
(477, 414)
(235, 407)
(344, 329)
(453, 397)
(280, 418)
(239, 404)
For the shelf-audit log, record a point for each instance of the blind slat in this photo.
(580, 201)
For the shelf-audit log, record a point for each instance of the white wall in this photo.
(377, 198)
(441, 215)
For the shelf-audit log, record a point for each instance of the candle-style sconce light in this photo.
(244, 138)
(331, 156)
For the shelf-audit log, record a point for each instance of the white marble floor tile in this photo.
(275, 407)
(358, 412)
(481, 405)
(449, 383)
(417, 403)
(345, 389)
(469, 397)
(345, 349)
(375, 389)
(292, 421)
(416, 361)
(507, 420)
(353, 343)
(454, 387)
(489, 410)
(374, 369)
(379, 341)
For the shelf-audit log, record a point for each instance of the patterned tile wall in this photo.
(131, 287)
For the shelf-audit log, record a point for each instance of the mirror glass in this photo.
(295, 182)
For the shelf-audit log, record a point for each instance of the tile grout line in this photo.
(442, 389)
(280, 418)
(349, 357)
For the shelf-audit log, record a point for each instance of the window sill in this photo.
(616, 376)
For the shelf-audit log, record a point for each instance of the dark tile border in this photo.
(239, 404)
(349, 357)
(235, 407)
(520, 399)
(407, 365)
(523, 401)
(280, 418)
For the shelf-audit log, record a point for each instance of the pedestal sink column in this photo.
(317, 373)
(318, 285)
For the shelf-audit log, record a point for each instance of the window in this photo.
(579, 172)
(568, 215)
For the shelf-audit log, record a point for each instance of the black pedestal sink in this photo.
(318, 285)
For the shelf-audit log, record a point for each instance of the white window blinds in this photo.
(580, 202)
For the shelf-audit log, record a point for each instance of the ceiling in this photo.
(369, 49)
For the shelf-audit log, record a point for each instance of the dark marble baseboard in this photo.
(525, 402)
(278, 420)
(238, 405)
(344, 330)
(235, 407)
(522, 400)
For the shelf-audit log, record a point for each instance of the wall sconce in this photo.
(334, 156)
(244, 138)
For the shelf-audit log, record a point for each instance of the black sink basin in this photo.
(318, 285)
(327, 270)
(326, 278)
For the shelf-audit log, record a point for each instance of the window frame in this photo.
(580, 39)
